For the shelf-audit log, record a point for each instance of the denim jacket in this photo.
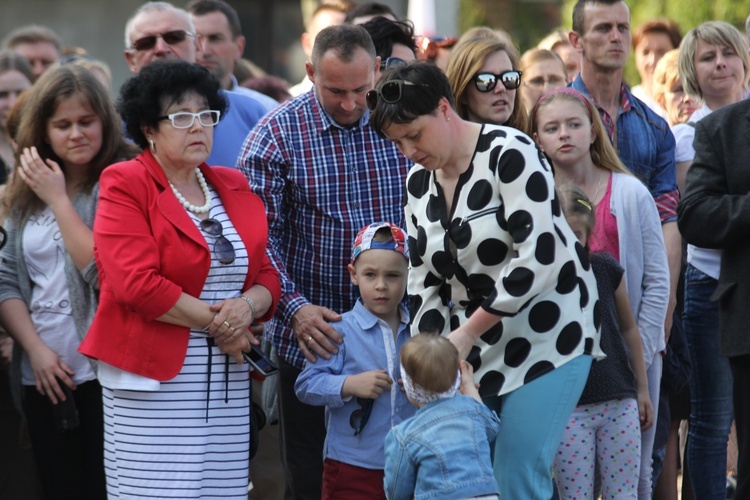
(647, 147)
(442, 452)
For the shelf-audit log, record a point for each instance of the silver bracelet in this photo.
(250, 302)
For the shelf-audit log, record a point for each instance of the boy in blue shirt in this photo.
(357, 384)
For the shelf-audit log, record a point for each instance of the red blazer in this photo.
(149, 251)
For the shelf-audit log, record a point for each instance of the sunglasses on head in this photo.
(486, 82)
(392, 62)
(390, 92)
(360, 416)
(170, 37)
(223, 248)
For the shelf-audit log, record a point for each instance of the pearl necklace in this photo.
(206, 194)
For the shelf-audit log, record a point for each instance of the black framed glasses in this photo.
(170, 37)
(3, 237)
(183, 119)
(359, 417)
(486, 82)
(391, 92)
(392, 62)
(223, 248)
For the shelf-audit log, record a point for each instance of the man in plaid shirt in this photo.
(323, 173)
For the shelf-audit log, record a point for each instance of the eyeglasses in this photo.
(207, 118)
(539, 82)
(170, 37)
(392, 62)
(485, 82)
(390, 92)
(223, 248)
(360, 416)
(3, 236)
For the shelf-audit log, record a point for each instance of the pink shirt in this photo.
(605, 238)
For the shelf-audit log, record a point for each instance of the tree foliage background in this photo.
(528, 23)
(687, 13)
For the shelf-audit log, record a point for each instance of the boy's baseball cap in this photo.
(363, 241)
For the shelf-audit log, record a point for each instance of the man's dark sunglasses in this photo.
(170, 37)
(360, 416)
(390, 92)
(223, 248)
(486, 82)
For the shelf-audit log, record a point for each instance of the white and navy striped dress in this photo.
(191, 437)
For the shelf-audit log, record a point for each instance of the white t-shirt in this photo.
(706, 260)
(640, 94)
(51, 313)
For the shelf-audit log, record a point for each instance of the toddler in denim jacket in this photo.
(444, 450)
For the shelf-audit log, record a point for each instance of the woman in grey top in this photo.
(67, 134)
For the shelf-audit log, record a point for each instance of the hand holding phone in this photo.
(260, 361)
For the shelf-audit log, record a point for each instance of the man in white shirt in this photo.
(327, 14)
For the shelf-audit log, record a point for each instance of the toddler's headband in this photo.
(422, 395)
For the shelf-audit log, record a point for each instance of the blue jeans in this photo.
(710, 389)
(533, 419)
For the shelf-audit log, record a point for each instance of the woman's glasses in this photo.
(360, 416)
(486, 82)
(390, 92)
(208, 118)
(170, 37)
(223, 248)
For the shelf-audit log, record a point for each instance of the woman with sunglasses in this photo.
(68, 132)
(494, 266)
(181, 253)
(484, 77)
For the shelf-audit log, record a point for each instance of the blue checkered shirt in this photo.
(321, 184)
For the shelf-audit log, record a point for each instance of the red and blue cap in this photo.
(364, 240)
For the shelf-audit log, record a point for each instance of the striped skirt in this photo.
(186, 440)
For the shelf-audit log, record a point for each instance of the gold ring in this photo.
(228, 325)
(309, 338)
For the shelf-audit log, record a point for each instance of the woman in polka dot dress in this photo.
(495, 267)
(605, 427)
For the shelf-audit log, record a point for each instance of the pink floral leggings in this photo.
(606, 437)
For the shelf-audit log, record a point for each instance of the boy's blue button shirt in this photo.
(368, 345)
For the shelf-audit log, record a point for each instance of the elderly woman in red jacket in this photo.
(180, 248)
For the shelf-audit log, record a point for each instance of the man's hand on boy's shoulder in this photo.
(314, 333)
(368, 385)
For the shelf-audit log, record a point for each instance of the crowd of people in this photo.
(482, 274)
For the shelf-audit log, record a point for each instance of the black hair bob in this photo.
(144, 97)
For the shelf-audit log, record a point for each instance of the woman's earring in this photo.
(152, 146)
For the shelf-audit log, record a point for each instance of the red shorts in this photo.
(349, 482)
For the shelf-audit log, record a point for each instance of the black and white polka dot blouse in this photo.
(507, 248)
